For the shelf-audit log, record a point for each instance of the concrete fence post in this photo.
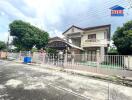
(98, 57)
(20, 55)
(65, 59)
(83, 57)
(86, 56)
(128, 62)
(73, 56)
(102, 53)
(0, 54)
(44, 58)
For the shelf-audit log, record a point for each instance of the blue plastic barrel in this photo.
(27, 59)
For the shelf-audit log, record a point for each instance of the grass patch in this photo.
(102, 65)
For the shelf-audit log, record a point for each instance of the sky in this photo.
(55, 16)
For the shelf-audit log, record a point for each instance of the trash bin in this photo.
(27, 59)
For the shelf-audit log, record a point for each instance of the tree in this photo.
(2, 45)
(51, 51)
(123, 39)
(112, 51)
(34, 49)
(25, 35)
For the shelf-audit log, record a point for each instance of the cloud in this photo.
(4, 36)
(55, 16)
(44, 14)
(23, 8)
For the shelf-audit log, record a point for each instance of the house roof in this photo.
(88, 28)
(95, 27)
(55, 39)
(71, 27)
(74, 46)
(116, 7)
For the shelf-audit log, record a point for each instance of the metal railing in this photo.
(92, 40)
(108, 64)
(95, 42)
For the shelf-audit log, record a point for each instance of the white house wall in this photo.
(99, 36)
(76, 42)
(76, 30)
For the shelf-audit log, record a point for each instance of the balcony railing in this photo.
(94, 42)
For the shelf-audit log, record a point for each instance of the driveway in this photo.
(27, 82)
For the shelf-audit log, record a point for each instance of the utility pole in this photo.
(7, 43)
(8, 38)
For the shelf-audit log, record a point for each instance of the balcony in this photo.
(94, 43)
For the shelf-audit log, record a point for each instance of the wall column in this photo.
(73, 54)
(20, 55)
(86, 55)
(98, 57)
(65, 58)
(102, 53)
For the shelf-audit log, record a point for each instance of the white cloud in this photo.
(9, 9)
(47, 14)
(2, 13)
(55, 16)
(55, 33)
(47, 11)
(4, 36)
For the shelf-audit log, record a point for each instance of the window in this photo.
(92, 36)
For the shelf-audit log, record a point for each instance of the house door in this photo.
(91, 55)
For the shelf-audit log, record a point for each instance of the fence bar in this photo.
(111, 64)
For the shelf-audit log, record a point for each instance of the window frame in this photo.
(92, 36)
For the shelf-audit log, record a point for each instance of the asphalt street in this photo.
(34, 90)
(27, 82)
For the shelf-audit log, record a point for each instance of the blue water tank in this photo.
(27, 59)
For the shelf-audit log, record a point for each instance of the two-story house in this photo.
(90, 39)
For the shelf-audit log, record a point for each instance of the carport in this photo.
(62, 45)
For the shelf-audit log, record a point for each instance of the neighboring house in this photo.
(62, 45)
(90, 39)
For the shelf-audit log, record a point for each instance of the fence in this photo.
(3, 55)
(108, 64)
(18, 56)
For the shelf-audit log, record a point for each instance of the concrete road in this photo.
(35, 88)
(27, 82)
